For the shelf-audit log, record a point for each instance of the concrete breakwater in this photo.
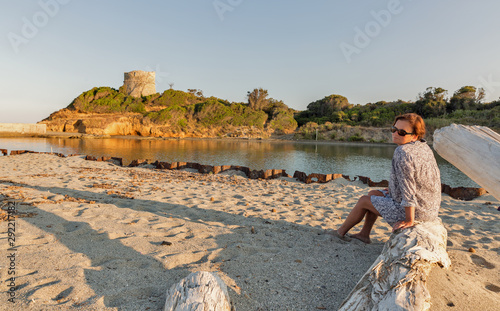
(22, 128)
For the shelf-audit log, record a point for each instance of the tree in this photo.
(196, 92)
(328, 105)
(434, 93)
(432, 103)
(257, 99)
(274, 106)
(465, 92)
(466, 98)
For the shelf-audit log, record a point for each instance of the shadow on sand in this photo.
(274, 258)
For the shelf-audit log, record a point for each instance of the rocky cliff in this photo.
(125, 124)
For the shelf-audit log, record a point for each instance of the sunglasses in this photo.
(400, 132)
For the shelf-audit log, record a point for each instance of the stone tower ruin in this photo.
(139, 83)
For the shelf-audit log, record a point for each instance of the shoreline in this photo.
(271, 139)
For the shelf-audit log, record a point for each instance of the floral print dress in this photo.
(415, 181)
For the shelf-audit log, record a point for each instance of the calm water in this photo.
(369, 160)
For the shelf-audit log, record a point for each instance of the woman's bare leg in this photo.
(370, 218)
(363, 208)
(364, 234)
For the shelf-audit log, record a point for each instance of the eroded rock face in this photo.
(98, 124)
(124, 124)
(139, 83)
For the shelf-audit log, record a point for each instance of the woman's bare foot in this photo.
(336, 234)
(362, 238)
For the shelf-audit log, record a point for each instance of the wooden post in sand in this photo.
(475, 150)
(396, 280)
(198, 291)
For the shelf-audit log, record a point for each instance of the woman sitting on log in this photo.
(414, 192)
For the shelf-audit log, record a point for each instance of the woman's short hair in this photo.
(416, 122)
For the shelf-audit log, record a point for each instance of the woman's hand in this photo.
(409, 222)
(402, 224)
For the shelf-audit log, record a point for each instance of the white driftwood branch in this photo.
(475, 150)
(199, 291)
(397, 279)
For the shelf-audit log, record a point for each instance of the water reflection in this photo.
(373, 161)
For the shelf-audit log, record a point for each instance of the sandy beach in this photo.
(96, 236)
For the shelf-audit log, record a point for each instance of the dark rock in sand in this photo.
(138, 162)
(370, 183)
(193, 165)
(180, 165)
(206, 169)
(300, 176)
(321, 178)
(243, 169)
(116, 161)
(14, 152)
(255, 174)
(462, 193)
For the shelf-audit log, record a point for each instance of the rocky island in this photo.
(137, 109)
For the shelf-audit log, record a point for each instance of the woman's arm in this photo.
(408, 222)
(405, 167)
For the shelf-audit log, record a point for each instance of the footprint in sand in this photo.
(120, 263)
(21, 286)
(166, 226)
(38, 287)
(71, 226)
(171, 261)
(62, 295)
(79, 212)
(493, 288)
(118, 235)
(480, 261)
(117, 300)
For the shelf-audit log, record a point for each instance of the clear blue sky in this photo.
(300, 51)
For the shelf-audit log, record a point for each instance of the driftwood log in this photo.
(475, 150)
(397, 279)
(199, 291)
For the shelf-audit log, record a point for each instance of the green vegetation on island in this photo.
(188, 111)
